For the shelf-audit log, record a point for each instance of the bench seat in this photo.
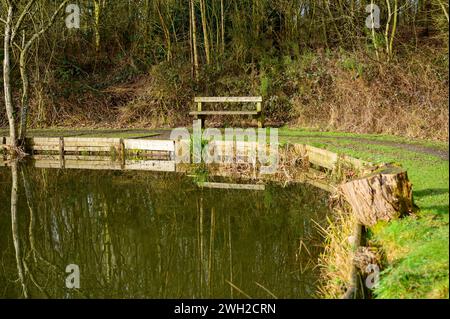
(224, 113)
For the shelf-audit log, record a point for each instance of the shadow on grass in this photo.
(437, 209)
(430, 192)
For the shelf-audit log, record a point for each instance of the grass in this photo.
(416, 247)
(322, 135)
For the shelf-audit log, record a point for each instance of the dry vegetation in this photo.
(331, 90)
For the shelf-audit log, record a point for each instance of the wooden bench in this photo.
(201, 114)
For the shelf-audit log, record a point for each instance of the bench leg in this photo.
(202, 121)
(260, 119)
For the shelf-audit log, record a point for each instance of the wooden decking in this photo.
(159, 155)
(64, 146)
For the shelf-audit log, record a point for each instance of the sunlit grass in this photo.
(416, 247)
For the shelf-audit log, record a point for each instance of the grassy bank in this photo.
(416, 247)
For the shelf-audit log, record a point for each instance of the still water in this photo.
(155, 235)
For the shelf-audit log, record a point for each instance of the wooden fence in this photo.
(76, 152)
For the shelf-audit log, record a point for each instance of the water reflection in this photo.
(154, 235)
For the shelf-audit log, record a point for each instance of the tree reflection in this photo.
(146, 235)
(15, 226)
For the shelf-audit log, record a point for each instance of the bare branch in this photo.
(44, 29)
(20, 20)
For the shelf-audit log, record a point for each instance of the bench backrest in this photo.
(229, 99)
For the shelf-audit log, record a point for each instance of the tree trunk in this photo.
(97, 14)
(194, 39)
(383, 195)
(394, 29)
(388, 26)
(191, 48)
(205, 31)
(222, 26)
(7, 80)
(25, 90)
(166, 33)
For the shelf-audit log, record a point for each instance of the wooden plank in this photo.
(47, 164)
(43, 140)
(54, 148)
(224, 113)
(38, 157)
(91, 140)
(322, 157)
(318, 156)
(228, 99)
(104, 149)
(230, 150)
(328, 159)
(87, 158)
(101, 163)
(355, 162)
(156, 166)
(92, 165)
(94, 144)
(236, 146)
(149, 145)
(74, 144)
(257, 187)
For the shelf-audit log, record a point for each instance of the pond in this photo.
(155, 235)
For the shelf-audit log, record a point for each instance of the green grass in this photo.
(314, 134)
(416, 247)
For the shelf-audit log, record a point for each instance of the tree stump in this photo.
(385, 194)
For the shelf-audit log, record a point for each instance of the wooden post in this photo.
(172, 155)
(260, 115)
(200, 117)
(61, 152)
(122, 153)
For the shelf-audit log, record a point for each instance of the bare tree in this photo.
(7, 77)
(12, 28)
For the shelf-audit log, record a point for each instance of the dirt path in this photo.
(442, 154)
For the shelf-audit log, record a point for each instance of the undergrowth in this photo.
(326, 89)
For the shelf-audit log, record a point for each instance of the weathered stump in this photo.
(385, 194)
